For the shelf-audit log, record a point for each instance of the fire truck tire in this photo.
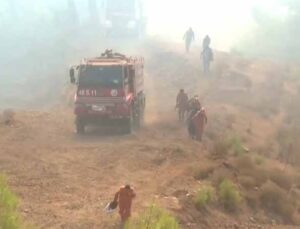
(128, 124)
(80, 127)
(137, 119)
(142, 111)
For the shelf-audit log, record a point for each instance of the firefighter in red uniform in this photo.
(199, 120)
(182, 103)
(124, 197)
(193, 107)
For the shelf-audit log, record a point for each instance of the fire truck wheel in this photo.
(80, 128)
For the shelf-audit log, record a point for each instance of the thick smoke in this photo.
(38, 42)
(274, 34)
(41, 39)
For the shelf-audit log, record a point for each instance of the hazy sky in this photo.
(225, 20)
(214, 17)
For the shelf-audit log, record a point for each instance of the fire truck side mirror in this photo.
(72, 76)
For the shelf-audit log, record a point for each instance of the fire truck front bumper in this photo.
(102, 114)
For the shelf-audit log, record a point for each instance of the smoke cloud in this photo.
(41, 39)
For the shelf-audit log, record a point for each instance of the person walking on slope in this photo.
(199, 121)
(206, 42)
(189, 37)
(207, 57)
(124, 198)
(182, 104)
(194, 107)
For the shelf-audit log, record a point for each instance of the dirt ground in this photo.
(65, 181)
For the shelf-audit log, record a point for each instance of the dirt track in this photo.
(65, 181)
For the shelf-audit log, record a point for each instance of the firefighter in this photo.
(199, 120)
(189, 37)
(124, 198)
(206, 42)
(182, 104)
(194, 107)
(207, 57)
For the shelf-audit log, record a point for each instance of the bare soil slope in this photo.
(65, 181)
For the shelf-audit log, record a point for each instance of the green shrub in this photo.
(229, 144)
(229, 195)
(153, 218)
(237, 146)
(9, 215)
(203, 197)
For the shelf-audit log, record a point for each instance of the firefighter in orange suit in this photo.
(124, 198)
(199, 121)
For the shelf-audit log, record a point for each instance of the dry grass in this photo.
(221, 174)
(275, 200)
(252, 199)
(221, 148)
(203, 172)
(259, 160)
(281, 178)
(247, 182)
(247, 168)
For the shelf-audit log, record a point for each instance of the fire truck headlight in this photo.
(131, 24)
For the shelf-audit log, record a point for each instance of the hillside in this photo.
(64, 181)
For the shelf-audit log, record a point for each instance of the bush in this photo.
(229, 195)
(275, 200)
(153, 218)
(259, 160)
(9, 216)
(237, 146)
(281, 178)
(221, 147)
(203, 197)
(245, 163)
(247, 168)
(226, 145)
(219, 175)
(252, 199)
(203, 173)
(247, 182)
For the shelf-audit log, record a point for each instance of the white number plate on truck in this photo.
(98, 108)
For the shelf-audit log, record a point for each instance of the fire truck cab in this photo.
(110, 91)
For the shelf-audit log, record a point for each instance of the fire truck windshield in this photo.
(107, 76)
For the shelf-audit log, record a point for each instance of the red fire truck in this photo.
(110, 91)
